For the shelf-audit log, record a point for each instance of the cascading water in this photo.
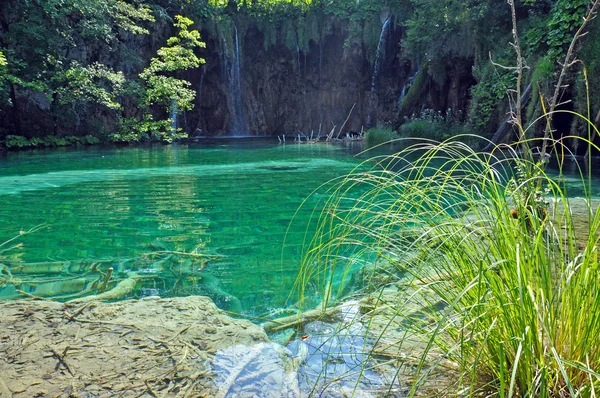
(380, 53)
(239, 124)
(406, 86)
(298, 51)
(379, 57)
(174, 112)
(201, 87)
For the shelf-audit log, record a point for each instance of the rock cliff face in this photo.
(287, 91)
(249, 88)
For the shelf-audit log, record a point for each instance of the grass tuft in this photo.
(502, 262)
(379, 135)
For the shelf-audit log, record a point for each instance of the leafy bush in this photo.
(489, 93)
(379, 135)
(16, 141)
(54, 141)
(90, 140)
(148, 129)
(433, 125)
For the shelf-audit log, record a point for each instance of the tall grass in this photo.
(379, 135)
(491, 242)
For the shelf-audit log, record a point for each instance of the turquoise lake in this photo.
(236, 199)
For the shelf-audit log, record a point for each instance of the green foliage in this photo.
(17, 141)
(148, 129)
(491, 89)
(566, 18)
(178, 55)
(590, 55)
(94, 83)
(415, 91)
(3, 77)
(435, 126)
(540, 78)
(379, 135)
(446, 29)
(128, 16)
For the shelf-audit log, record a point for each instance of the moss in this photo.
(542, 71)
(414, 92)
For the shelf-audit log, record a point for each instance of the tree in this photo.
(161, 87)
(38, 40)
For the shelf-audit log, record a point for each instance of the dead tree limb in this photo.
(345, 121)
(568, 62)
(507, 125)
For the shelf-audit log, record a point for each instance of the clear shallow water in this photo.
(235, 197)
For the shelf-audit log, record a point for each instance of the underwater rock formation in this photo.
(131, 348)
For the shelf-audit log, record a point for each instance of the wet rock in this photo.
(131, 346)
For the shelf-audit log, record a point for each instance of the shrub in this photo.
(435, 126)
(54, 141)
(90, 140)
(16, 141)
(379, 135)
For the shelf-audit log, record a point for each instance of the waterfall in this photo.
(379, 56)
(201, 87)
(174, 112)
(321, 116)
(380, 52)
(407, 84)
(402, 95)
(298, 51)
(239, 124)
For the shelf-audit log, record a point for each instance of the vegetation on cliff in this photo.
(83, 67)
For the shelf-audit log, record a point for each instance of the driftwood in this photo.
(303, 317)
(121, 290)
(506, 127)
(330, 135)
(345, 121)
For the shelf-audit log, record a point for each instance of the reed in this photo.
(489, 244)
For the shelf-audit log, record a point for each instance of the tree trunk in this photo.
(593, 137)
(506, 126)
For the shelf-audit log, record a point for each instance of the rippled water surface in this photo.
(236, 198)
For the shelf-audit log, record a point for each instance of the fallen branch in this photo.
(345, 121)
(330, 135)
(61, 359)
(294, 320)
(122, 289)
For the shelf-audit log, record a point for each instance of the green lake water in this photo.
(237, 198)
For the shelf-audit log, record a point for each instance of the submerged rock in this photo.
(264, 370)
(147, 347)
